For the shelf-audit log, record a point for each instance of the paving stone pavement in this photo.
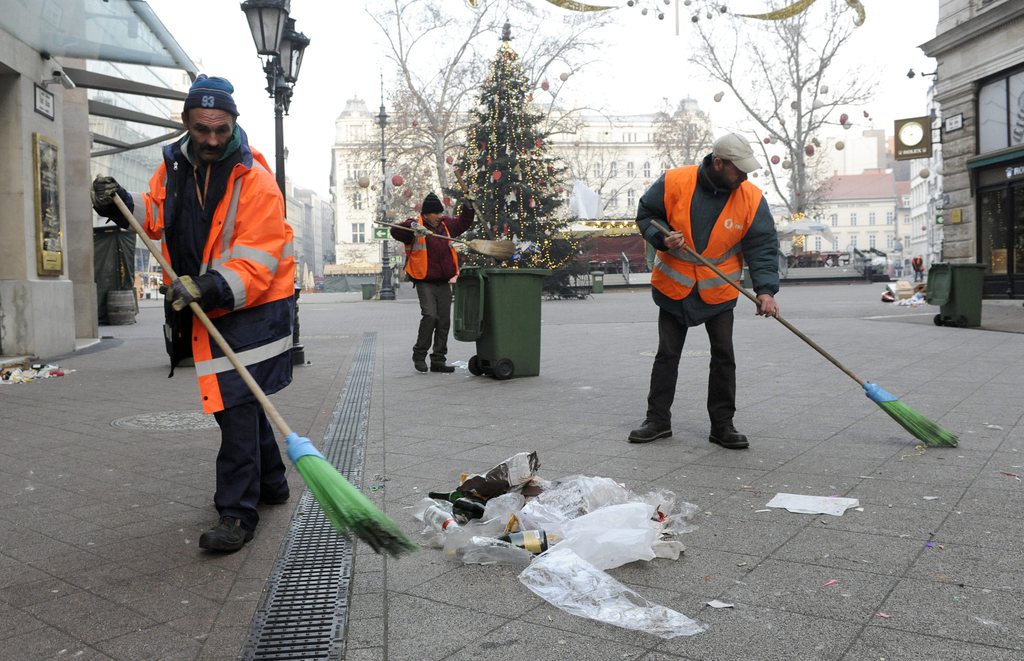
(99, 521)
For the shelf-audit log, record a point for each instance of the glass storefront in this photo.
(1001, 233)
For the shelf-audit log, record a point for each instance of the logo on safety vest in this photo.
(729, 224)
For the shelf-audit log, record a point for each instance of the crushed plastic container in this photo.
(956, 289)
(499, 309)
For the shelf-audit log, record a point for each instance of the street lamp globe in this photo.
(266, 23)
(293, 45)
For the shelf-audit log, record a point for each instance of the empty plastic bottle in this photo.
(439, 519)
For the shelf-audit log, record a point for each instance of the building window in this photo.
(835, 244)
(853, 219)
(871, 218)
(630, 170)
(358, 232)
(890, 218)
(357, 201)
(647, 169)
(613, 169)
(613, 200)
(597, 171)
(631, 198)
(889, 242)
(834, 219)
(871, 241)
(1001, 113)
(817, 243)
(853, 241)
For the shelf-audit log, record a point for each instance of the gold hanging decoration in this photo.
(572, 5)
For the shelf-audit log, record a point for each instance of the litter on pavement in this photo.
(799, 504)
(27, 372)
(567, 532)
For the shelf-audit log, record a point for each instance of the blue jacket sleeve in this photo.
(761, 251)
(652, 207)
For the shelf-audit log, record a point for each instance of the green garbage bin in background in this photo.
(597, 282)
(499, 309)
(369, 289)
(956, 289)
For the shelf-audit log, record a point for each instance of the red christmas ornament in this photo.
(397, 180)
(843, 118)
(496, 175)
(866, 114)
(775, 160)
(539, 143)
(415, 123)
(809, 150)
(767, 141)
(407, 192)
(447, 201)
(449, 160)
(561, 189)
(532, 203)
(545, 85)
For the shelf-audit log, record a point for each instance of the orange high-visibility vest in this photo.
(675, 272)
(416, 254)
(250, 246)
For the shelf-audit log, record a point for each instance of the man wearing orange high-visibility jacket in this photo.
(220, 214)
(714, 210)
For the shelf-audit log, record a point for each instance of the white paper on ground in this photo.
(799, 504)
(715, 603)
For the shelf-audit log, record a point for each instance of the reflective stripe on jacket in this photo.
(675, 272)
(416, 253)
(250, 246)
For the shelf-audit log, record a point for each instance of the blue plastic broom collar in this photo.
(299, 446)
(878, 394)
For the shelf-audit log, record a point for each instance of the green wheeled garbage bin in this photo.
(369, 289)
(499, 309)
(597, 282)
(956, 289)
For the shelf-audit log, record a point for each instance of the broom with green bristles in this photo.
(344, 505)
(928, 432)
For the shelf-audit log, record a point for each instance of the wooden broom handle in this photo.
(778, 317)
(261, 397)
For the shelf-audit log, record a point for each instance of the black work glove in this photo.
(103, 191)
(202, 289)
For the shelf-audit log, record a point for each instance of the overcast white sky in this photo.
(643, 62)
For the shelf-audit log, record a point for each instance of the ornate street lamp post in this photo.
(275, 37)
(387, 292)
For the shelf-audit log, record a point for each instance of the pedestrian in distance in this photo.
(715, 211)
(918, 265)
(221, 217)
(432, 264)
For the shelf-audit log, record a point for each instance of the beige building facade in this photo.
(979, 47)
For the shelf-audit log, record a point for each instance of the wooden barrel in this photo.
(121, 307)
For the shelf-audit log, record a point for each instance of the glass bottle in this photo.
(534, 541)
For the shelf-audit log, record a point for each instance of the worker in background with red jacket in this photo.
(432, 263)
(715, 211)
(220, 215)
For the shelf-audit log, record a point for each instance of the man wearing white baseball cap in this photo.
(713, 209)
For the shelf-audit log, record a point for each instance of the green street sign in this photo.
(380, 233)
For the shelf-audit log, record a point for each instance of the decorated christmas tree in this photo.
(516, 184)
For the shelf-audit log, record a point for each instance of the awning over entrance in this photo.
(126, 31)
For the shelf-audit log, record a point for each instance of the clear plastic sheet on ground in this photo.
(570, 583)
(592, 523)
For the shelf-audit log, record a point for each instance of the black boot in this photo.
(226, 537)
(727, 436)
(650, 431)
(441, 367)
(420, 364)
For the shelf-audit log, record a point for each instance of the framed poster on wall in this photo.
(49, 238)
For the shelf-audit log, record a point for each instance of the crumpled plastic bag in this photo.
(571, 498)
(613, 536)
(566, 581)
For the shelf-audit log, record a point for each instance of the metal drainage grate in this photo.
(304, 609)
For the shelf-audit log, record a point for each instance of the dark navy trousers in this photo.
(249, 463)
